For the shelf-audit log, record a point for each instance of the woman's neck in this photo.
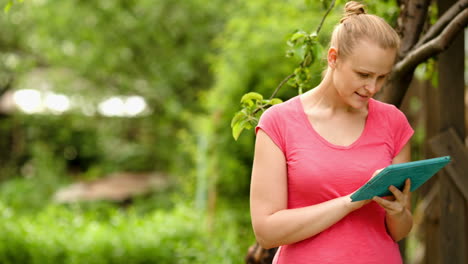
(325, 97)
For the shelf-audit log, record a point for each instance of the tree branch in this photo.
(325, 16)
(292, 75)
(432, 47)
(443, 21)
(397, 85)
(281, 84)
(410, 23)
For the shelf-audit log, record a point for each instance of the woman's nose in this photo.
(371, 86)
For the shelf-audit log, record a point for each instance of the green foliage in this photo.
(42, 174)
(74, 142)
(306, 47)
(126, 46)
(387, 9)
(247, 118)
(252, 58)
(96, 49)
(241, 69)
(9, 4)
(61, 235)
(427, 71)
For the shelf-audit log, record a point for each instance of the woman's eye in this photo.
(363, 75)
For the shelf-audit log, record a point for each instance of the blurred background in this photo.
(115, 136)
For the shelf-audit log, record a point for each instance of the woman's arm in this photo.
(273, 223)
(399, 219)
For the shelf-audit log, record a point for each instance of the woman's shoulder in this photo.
(384, 108)
(284, 108)
(387, 111)
(279, 115)
(276, 120)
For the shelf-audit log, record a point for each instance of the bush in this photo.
(72, 235)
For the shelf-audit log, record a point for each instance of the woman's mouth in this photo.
(362, 96)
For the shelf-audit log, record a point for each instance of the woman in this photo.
(314, 150)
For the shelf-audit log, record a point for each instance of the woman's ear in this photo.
(331, 57)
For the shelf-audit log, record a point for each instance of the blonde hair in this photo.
(356, 25)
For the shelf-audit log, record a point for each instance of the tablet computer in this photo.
(396, 174)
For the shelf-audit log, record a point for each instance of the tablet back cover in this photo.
(396, 174)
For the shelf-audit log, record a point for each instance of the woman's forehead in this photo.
(370, 57)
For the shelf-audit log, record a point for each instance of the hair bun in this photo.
(353, 8)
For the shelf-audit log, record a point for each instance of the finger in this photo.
(384, 203)
(399, 196)
(387, 205)
(407, 192)
(407, 188)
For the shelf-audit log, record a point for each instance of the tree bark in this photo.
(442, 22)
(453, 208)
(402, 74)
(410, 23)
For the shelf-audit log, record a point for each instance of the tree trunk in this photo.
(450, 101)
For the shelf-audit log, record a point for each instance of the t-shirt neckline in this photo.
(309, 126)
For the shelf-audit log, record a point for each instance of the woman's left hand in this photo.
(400, 202)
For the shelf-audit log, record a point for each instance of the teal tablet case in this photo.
(396, 174)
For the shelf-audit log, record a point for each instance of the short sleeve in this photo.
(271, 123)
(401, 130)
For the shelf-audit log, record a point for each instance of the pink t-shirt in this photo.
(319, 171)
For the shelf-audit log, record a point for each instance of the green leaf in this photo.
(292, 82)
(251, 96)
(297, 35)
(238, 128)
(250, 124)
(238, 117)
(275, 101)
(309, 59)
(289, 53)
(317, 50)
(300, 51)
(7, 7)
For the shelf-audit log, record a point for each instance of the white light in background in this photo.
(117, 106)
(32, 101)
(28, 100)
(113, 106)
(57, 102)
(134, 105)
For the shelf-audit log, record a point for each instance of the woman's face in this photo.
(361, 74)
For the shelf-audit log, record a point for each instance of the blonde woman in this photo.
(314, 150)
